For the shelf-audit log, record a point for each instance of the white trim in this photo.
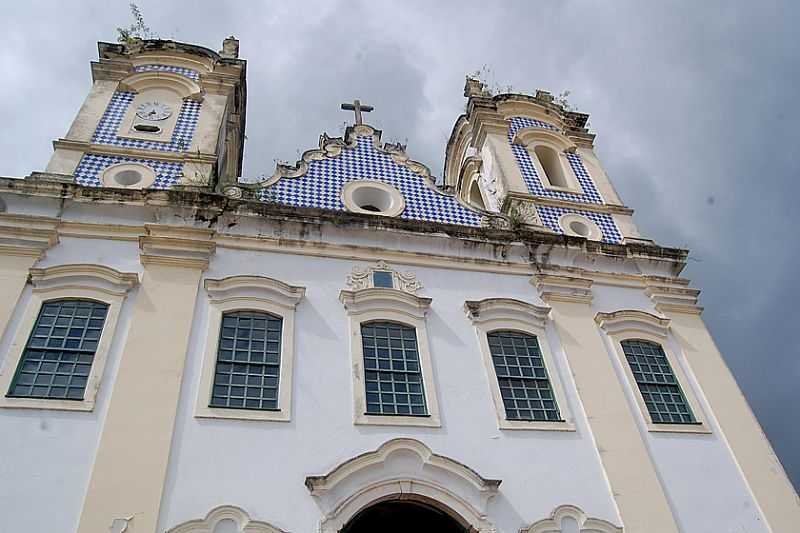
(630, 324)
(506, 314)
(252, 293)
(554, 524)
(396, 202)
(79, 281)
(391, 305)
(595, 233)
(367, 479)
(225, 512)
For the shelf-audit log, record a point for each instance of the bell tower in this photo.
(159, 114)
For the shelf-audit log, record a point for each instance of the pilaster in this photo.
(752, 452)
(23, 241)
(130, 466)
(632, 477)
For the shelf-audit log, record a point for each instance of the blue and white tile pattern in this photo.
(106, 132)
(550, 216)
(92, 166)
(321, 186)
(590, 194)
(189, 73)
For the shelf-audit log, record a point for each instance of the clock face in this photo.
(153, 111)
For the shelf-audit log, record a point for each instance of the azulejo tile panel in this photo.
(189, 73)
(528, 170)
(550, 216)
(106, 132)
(321, 186)
(91, 167)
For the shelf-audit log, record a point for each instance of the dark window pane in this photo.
(391, 364)
(383, 279)
(251, 383)
(653, 374)
(522, 377)
(63, 326)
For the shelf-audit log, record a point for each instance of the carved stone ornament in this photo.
(233, 192)
(362, 278)
(524, 213)
(495, 222)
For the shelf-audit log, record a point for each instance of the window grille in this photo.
(653, 374)
(248, 361)
(58, 356)
(393, 377)
(522, 377)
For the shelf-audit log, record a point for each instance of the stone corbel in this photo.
(674, 299)
(176, 246)
(27, 236)
(555, 288)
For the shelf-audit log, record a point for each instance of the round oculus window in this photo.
(580, 226)
(372, 197)
(128, 176)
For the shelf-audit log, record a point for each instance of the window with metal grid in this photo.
(522, 377)
(248, 361)
(393, 377)
(653, 374)
(60, 351)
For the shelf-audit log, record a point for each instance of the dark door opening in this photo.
(402, 516)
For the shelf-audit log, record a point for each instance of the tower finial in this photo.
(357, 107)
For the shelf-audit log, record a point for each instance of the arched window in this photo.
(248, 361)
(392, 373)
(475, 197)
(657, 383)
(59, 354)
(550, 162)
(522, 377)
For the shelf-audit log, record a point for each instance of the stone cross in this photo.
(358, 108)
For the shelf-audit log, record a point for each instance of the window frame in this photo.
(631, 324)
(68, 282)
(256, 294)
(531, 137)
(389, 305)
(507, 314)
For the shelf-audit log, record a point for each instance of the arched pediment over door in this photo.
(403, 469)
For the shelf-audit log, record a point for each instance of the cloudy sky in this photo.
(693, 103)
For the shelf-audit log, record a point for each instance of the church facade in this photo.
(347, 345)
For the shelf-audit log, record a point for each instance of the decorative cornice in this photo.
(143, 153)
(631, 320)
(482, 311)
(361, 278)
(557, 288)
(254, 287)
(585, 524)
(83, 276)
(27, 236)
(225, 512)
(671, 299)
(176, 246)
(141, 81)
(319, 485)
(380, 299)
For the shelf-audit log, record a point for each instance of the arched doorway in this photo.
(396, 516)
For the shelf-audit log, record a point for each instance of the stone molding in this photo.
(374, 299)
(555, 524)
(27, 236)
(558, 288)
(80, 276)
(219, 514)
(632, 320)
(254, 288)
(176, 246)
(141, 81)
(674, 299)
(488, 309)
(402, 468)
(361, 278)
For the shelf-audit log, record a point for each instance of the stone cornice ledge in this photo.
(254, 287)
(381, 299)
(556, 288)
(176, 246)
(28, 236)
(83, 276)
(674, 299)
(488, 309)
(632, 320)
